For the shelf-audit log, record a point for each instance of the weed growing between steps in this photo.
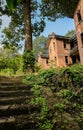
(63, 109)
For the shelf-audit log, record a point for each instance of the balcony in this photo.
(74, 51)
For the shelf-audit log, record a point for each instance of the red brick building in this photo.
(78, 18)
(43, 60)
(64, 51)
(59, 50)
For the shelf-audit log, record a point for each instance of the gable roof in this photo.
(59, 37)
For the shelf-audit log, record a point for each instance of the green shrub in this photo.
(7, 72)
(66, 84)
(42, 120)
(11, 66)
(28, 60)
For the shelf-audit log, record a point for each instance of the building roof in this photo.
(59, 37)
(53, 35)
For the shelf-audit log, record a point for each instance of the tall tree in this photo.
(71, 33)
(28, 32)
(28, 10)
(17, 24)
(51, 9)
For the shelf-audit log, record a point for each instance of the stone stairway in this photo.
(16, 113)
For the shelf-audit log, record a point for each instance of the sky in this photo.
(60, 27)
(5, 23)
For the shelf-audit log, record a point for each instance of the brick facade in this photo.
(43, 61)
(64, 51)
(78, 18)
(59, 50)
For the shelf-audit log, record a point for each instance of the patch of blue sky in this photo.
(60, 27)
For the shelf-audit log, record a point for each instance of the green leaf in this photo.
(11, 4)
(19, 1)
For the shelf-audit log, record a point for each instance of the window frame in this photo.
(54, 45)
(66, 59)
(79, 16)
(47, 61)
(64, 43)
(82, 38)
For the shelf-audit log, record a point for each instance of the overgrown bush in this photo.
(29, 61)
(66, 105)
(11, 66)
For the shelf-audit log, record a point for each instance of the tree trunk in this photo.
(28, 58)
(28, 30)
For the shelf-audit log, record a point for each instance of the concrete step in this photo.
(10, 110)
(15, 93)
(15, 100)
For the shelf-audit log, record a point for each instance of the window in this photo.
(79, 16)
(64, 44)
(66, 59)
(82, 38)
(55, 59)
(54, 45)
(46, 61)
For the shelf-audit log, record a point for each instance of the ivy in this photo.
(29, 60)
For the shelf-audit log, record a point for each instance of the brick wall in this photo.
(52, 52)
(63, 52)
(79, 27)
(43, 62)
(58, 53)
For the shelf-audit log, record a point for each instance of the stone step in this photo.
(27, 122)
(11, 78)
(13, 87)
(15, 100)
(7, 123)
(15, 93)
(10, 110)
(16, 111)
(21, 122)
(10, 83)
(7, 120)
